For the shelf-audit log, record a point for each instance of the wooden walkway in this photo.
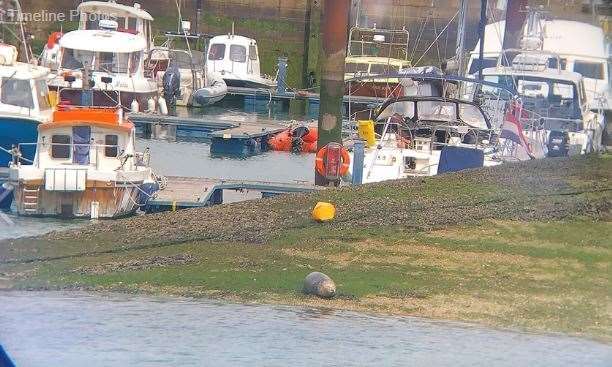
(271, 94)
(188, 192)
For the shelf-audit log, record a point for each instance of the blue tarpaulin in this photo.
(80, 137)
(454, 159)
(5, 361)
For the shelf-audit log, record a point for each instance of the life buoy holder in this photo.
(320, 162)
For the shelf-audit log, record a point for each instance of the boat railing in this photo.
(138, 159)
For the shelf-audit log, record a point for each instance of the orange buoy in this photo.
(281, 142)
(312, 135)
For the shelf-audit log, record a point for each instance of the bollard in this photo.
(358, 158)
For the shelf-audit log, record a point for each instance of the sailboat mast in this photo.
(461, 30)
(481, 31)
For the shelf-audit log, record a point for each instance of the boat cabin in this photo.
(552, 97)
(23, 87)
(233, 54)
(96, 137)
(130, 19)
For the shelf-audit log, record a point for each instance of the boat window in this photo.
(111, 142)
(216, 52)
(534, 89)
(383, 68)
(60, 146)
(134, 62)
(404, 109)
(593, 70)
(131, 25)
(112, 62)
(16, 92)
(237, 53)
(356, 68)
(253, 52)
(42, 93)
(73, 59)
(436, 111)
(486, 63)
(472, 116)
(552, 63)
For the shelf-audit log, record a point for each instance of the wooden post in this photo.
(334, 34)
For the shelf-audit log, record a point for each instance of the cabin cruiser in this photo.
(554, 110)
(92, 14)
(24, 103)
(580, 47)
(373, 52)
(235, 59)
(425, 136)
(108, 52)
(85, 166)
(181, 72)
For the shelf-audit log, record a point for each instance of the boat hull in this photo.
(240, 83)
(6, 196)
(113, 201)
(375, 89)
(15, 130)
(103, 98)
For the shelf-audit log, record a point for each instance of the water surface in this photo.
(77, 329)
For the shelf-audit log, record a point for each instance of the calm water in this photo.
(186, 157)
(67, 329)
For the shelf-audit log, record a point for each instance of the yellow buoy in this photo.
(324, 212)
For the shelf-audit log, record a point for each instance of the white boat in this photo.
(24, 103)
(425, 136)
(130, 19)
(181, 73)
(108, 49)
(555, 113)
(580, 47)
(85, 166)
(235, 59)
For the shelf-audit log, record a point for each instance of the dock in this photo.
(189, 192)
(228, 138)
(252, 95)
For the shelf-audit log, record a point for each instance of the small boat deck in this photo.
(189, 192)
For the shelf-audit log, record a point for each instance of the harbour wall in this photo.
(291, 27)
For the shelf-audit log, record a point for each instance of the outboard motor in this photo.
(172, 84)
(558, 144)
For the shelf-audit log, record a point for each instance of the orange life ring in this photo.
(320, 161)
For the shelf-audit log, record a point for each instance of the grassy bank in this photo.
(525, 245)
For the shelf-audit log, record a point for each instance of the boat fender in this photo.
(163, 106)
(151, 105)
(320, 162)
(135, 107)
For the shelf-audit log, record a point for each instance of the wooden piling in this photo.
(334, 34)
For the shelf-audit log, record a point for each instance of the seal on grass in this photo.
(320, 285)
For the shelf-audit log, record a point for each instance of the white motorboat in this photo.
(235, 59)
(107, 51)
(554, 111)
(580, 47)
(85, 166)
(181, 73)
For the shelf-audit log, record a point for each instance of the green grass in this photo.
(523, 245)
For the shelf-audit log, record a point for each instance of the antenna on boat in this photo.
(233, 26)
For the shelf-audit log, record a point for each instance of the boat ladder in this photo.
(30, 199)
